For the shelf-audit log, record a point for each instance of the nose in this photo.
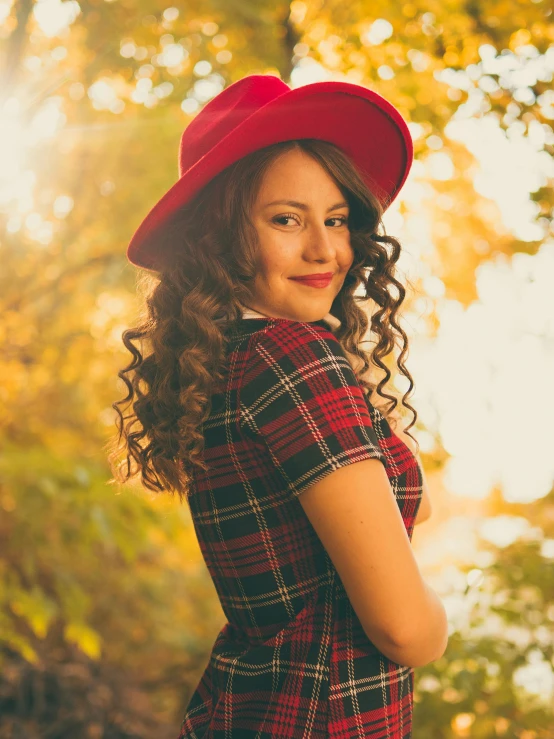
(321, 241)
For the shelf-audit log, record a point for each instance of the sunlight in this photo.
(18, 136)
(307, 70)
(483, 382)
(510, 167)
(12, 149)
(439, 166)
(504, 530)
(536, 677)
(53, 16)
(5, 9)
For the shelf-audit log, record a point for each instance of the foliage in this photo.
(496, 677)
(101, 594)
(107, 611)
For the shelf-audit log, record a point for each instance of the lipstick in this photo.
(313, 282)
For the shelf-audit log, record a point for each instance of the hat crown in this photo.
(260, 110)
(224, 112)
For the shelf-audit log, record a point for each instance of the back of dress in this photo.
(292, 659)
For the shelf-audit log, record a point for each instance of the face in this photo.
(310, 236)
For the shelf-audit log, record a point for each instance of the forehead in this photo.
(303, 206)
(296, 176)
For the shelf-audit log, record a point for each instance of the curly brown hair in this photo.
(208, 262)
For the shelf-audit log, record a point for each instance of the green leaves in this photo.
(110, 585)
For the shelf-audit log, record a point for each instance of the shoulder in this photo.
(295, 355)
(288, 336)
(294, 346)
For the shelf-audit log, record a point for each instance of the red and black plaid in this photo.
(292, 660)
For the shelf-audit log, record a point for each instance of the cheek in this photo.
(279, 259)
(350, 256)
(273, 267)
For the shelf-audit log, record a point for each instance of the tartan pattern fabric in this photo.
(292, 660)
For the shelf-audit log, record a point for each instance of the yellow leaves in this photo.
(74, 365)
(470, 54)
(451, 57)
(519, 38)
(50, 356)
(396, 50)
(85, 638)
(412, 29)
(19, 644)
(461, 723)
(35, 607)
(7, 501)
(298, 11)
(157, 537)
(73, 599)
(424, 96)
(317, 31)
(16, 331)
(357, 59)
(13, 383)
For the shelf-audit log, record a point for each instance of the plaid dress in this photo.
(292, 660)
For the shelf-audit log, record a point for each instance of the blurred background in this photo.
(107, 611)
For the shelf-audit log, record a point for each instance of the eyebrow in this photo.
(303, 206)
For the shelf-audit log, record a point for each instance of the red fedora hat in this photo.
(259, 110)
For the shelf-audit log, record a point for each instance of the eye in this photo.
(291, 216)
(288, 216)
(342, 220)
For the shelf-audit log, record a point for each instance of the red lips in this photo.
(314, 276)
(312, 282)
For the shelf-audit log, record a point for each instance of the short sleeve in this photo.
(299, 395)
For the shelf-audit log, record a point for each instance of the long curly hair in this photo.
(208, 258)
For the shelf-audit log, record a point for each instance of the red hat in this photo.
(259, 110)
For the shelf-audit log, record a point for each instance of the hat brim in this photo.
(357, 120)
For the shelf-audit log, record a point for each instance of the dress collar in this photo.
(333, 322)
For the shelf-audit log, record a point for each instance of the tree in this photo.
(105, 594)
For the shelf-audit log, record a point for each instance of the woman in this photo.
(260, 408)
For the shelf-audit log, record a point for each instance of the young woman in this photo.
(256, 403)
